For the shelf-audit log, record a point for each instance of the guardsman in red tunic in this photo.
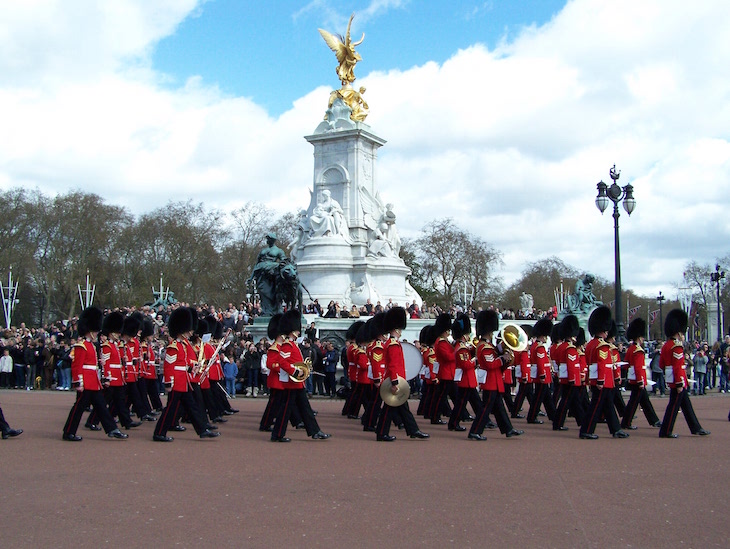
(364, 375)
(394, 323)
(671, 359)
(599, 323)
(375, 351)
(294, 394)
(131, 357)
(618, 399)
(85, 376)
(112, 363)
(523, 373)
(636, 376)
(428, 378)
(446, 359)
(540, 359)
(358, 378)
(490, 362)
(273, 383)
(557, 349)
(178, 356)
(148, 383)
(465, 378)
(569, 374)
(215, 372)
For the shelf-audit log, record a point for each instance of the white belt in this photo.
(181, 368)
(88, 367)
(115, 366)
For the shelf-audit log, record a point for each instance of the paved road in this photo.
(544, 489)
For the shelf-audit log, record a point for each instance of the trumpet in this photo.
(302, 370)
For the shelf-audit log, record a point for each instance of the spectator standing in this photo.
(699, 365)
(252, 360)
(230, 371)
(657, 375)
(6, 369)
(330, 368)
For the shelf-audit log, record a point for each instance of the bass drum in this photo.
(413, 360)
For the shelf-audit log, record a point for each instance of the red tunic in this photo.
(215, 373)
(604, 362)
(540, 358)
(274, 361)
(362, 364)
(148, 361)
(591, 360)
(376, 355)
(562, 362)
(85, 366)
(522, 360)
(395, 364)
(446, 358)
(112, 364)
(291, 354)
(488, 360)
(467, 364)
(671, 360)
(176, 365)
(636, 359)
(572, 364)
(351, 364)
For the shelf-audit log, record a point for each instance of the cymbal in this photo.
(395, 400)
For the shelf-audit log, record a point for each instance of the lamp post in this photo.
(660, 299)
(716, 277)
(616, 194)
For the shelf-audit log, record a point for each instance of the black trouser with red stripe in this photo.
(288, 400)
(542, 396)
(639, 395)
(491, 402)
(526, 390)
(177, 401)
(116, 396)
(390, 414)
(569, 400)
(470, 395)
(601, 405)
(149, 386)
(679, 400)
(83, 399)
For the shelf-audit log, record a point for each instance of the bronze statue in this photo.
(265, 273)
(344, 49)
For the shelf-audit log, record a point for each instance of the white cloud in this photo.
(509, 142)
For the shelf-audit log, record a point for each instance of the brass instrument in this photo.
(206, 365)
(302, 370)
(514, 340)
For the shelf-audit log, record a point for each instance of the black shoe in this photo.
(469, 418)
(320, 436)
(386, 438)
(219, 419)
(492, 425)
(657, 424)
(537, 422)
(132, 425)
(702, 432)
(179, 428)
(300, 425)
(631, 427)
(620, 434)
(162, 438)
(401, 426)
(209, 434)
(474, 436)
(514, 433)
(92, 427)
(588, 436)
(457, 428)
(563, 428)
(350, 416)
(266, 429)
(438, 422)
(211, 427)
(369, 429)
(280, 439)
(541, 413)
(148, 417)
(116, 433)
(233, 410)
(72, 438)
(519, 416)
(12, 433)
(228, 413)
(670, 435)
(419, 434)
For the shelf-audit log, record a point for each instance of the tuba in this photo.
(514, 340)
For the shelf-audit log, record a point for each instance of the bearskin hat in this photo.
(612, 331)
(600, 320)
(363, 334)
(90, 320)
(395, 319)
(556, 333)
(569, 327)
(430, 336)
(291, 321)
(461, 326)
(112, 323)
(528, 329)
(214, 326)
(636, 329)
(148, 328)
(377, 328)
(202, 328)
(581, 337)
(180, 321)
(131, 326)
(353, 329)
(487, 321)
(675, 323)
(443, 323)
(195, 317)
(542, 328)
(272, 331)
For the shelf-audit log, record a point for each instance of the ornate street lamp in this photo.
(660, 299)
(716, 277)
(616, 194)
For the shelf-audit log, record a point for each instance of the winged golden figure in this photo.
(344, 49)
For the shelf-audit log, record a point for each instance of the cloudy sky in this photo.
(502, 114)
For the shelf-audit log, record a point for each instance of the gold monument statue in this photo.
(347, 57)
